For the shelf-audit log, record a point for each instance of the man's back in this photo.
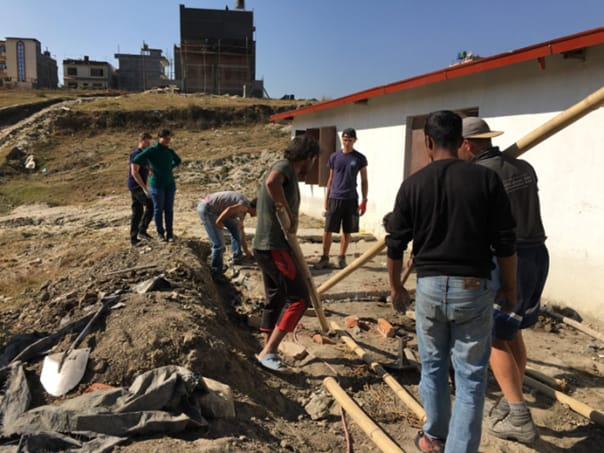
(520, 182)
(454, 212)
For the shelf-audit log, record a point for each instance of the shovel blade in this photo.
(58, 379)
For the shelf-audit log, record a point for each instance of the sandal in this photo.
(424, 443)
(271, 362)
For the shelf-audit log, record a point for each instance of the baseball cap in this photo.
(349, 132)
(474, 127)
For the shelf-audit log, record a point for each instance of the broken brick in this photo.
(318, 338)
(351, 321)
(294, 350)
(385, 328)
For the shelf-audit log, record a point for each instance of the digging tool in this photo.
(62, 371)
(404, 361)
(285, 222)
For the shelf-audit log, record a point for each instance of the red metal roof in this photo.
(557, 46)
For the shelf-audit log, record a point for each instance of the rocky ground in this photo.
(64, 259)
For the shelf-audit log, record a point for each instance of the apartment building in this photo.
(217, 52)
(27, 66)
(87, 74)
(3, 73)
(140, 72)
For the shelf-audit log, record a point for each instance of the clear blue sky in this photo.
(310, 48)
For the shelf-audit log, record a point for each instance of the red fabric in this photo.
(363, 207)
(284, 263)
(292, 315)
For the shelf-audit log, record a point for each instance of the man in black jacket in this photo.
(510, 417)
(455, 213)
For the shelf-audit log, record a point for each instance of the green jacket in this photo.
(161, 160)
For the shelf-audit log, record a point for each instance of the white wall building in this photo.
(515, 92)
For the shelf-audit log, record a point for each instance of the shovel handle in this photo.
(86, 328)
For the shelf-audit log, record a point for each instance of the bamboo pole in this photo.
(398, 389)
(557, 123)
(558, 384)
(571, 322)
(285, 222)
(577, 406)
(373, 431)
(353, 266)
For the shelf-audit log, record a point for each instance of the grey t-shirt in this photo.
(219, 201)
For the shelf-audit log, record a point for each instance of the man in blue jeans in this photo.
(455, 213)
(225, 209)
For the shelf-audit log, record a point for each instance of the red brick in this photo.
(318, 338)
(385, 328)
(351, 321)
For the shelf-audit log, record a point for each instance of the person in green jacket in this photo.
(161, 159)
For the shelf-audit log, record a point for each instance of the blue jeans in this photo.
(216, 235)
(163, 207)
(454, 318)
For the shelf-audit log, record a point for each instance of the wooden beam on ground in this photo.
(558, 384)
(284, 221)
(373, 431)
(576, 405)
(571, 322)
(398, 389)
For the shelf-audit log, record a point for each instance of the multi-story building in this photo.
(27, 66)
(143, 71)
(3, 73)
(87, 74)
(217, 52)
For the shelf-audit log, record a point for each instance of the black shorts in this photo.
(344, 213)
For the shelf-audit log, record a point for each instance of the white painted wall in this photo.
(515, 99)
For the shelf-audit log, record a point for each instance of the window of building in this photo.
(2, 49)
(72, 71)
(96, 72)
(20, 61)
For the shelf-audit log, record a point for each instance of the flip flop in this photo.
(271, 362)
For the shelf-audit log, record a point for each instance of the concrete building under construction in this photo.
(217, 52)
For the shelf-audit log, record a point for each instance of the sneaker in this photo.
(170, 238)
(134, 242)
(424, 443)
(161, 237)
(505, 429)
(499, 411)
(342, 261)
(144, 236)
(323, 263)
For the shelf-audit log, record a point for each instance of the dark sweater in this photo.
(520, 182)
(457, 214)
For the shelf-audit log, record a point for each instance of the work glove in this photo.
(363, 207)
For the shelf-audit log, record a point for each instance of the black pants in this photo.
(142, 213)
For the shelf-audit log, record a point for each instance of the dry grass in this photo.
(151, 101)
(13, 97)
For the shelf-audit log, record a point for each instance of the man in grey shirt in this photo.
(225, 209)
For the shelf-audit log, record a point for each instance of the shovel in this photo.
(62, 371)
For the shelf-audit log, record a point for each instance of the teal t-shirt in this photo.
(269, 235)
(161, 160)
